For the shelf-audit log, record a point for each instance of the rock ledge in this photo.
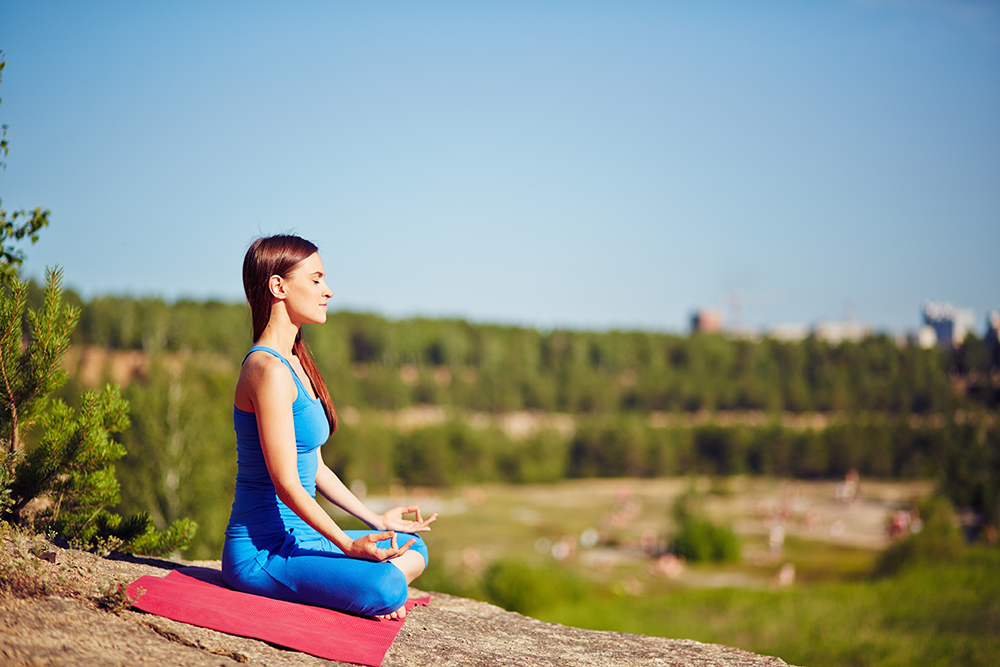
(69, 629)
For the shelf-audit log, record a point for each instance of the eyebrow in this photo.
(320, 274)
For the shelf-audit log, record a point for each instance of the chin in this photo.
(318, 318)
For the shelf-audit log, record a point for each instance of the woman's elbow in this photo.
(288, 492)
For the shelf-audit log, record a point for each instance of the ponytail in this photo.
(301, 350)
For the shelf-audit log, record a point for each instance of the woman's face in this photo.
(306, 292)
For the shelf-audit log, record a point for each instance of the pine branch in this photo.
(15, 445)
(13, 307)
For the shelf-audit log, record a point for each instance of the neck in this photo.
(279, 335)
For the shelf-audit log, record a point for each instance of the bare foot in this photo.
(399, 613)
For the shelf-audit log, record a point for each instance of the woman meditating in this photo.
(280, 543)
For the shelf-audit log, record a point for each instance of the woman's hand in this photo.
(366, 547)
(393, 520)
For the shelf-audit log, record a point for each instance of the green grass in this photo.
(928, 615)
(818, 562)
(834, 614)
(507, 520)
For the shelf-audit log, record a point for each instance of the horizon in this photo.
(552, 166)
(769, 329)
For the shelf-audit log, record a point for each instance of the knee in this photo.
(419, 546)
(388, 594)
(420, 564)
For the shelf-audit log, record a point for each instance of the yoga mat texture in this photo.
(198, 596)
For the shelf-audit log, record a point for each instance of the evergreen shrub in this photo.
(698, 539)
(63, 481)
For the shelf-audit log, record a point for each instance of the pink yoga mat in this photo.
(198, 596)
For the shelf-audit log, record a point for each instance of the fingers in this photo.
(394, 519)
(421, 525)
(394, 551)
(368, 549)
(410, 509)
(386, 553)
(424, 525)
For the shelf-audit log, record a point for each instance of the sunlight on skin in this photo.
(411, 564)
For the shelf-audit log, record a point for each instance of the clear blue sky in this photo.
(584, 164)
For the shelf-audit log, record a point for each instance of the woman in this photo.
(280, 543)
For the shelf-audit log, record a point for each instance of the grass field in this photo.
(929, 615)
(633, 518)
(606, 536)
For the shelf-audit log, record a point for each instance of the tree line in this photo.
(904, 413)
(371, 361)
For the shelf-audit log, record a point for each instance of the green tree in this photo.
(698, 539)
(65, 481)
(182, 454)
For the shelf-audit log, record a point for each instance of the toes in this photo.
(399, 613)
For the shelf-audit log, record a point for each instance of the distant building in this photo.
(993, 336)
(950, 324)
(707, 320)
(993, 327)
(926, 337)
(836, 333)
(789, 332)
(744, 333)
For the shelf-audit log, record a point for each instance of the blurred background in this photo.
(683, 316)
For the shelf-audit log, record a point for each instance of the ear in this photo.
(276, 285)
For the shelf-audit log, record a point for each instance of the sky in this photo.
(551, 164)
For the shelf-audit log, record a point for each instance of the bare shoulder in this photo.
(264, 374)
(260, 361)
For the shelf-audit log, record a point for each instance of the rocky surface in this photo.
(56, 613)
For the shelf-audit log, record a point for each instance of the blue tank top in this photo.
(257, 510)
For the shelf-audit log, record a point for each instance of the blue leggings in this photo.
(317, 573)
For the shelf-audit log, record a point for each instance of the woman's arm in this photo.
(272, 392)
(334, 490)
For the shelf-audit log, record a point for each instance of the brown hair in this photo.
(277, 256)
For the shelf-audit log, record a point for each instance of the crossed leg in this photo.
(411, 564)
